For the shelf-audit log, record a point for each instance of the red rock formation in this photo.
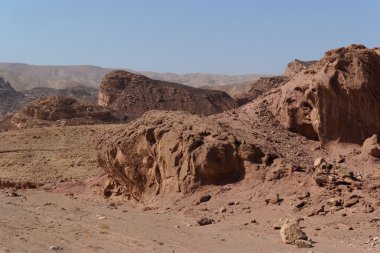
(337, 98)
(135, 94)
(166, 152)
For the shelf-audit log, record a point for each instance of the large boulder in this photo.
(166, 152)
(291, 233)
(134, 94)
(336, 99)
(58, 110)
(371, 146)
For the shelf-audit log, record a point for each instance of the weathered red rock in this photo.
(166, 152)
(336, 99)
(371, 146)
(134, 94)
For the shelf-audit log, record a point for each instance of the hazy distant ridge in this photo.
(25, 77)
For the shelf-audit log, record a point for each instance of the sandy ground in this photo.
(35, 220)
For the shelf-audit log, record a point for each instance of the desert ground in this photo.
(67, 208)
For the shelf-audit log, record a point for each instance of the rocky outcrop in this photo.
(336, 99)
(296, 66)
(167, 152)
(371, 146)
(135, 94)
(58, 111)
(10, 99)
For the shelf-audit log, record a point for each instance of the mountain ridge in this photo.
(24, 76)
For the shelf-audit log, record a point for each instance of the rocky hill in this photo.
(335, 99)
(135, 94)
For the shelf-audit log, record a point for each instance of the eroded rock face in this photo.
(334, 99)
(135, 94)
(166, 152)
(57, 110)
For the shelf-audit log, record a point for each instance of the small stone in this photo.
(304, 195)
(222, 209)
(300, 204)
(334, 202)
(303, 243)
(274, 200)
(231, 203)
(254, 221)
(318, 210)
(290, 232)
(319, 161)
(205, 198)
(351, 202)
(368, 208)
(100, 217)
(205, 221)
(350, 228)
(55, 247)
(15, 194)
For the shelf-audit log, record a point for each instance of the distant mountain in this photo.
(25, 77)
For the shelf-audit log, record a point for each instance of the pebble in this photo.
(205, 198)
(205, 221)
(55, 247)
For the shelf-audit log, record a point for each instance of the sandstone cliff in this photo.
(337, 98)
(135, 94)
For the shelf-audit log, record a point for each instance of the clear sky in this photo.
(182, 36)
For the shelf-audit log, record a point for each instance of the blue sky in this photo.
(183, 36)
